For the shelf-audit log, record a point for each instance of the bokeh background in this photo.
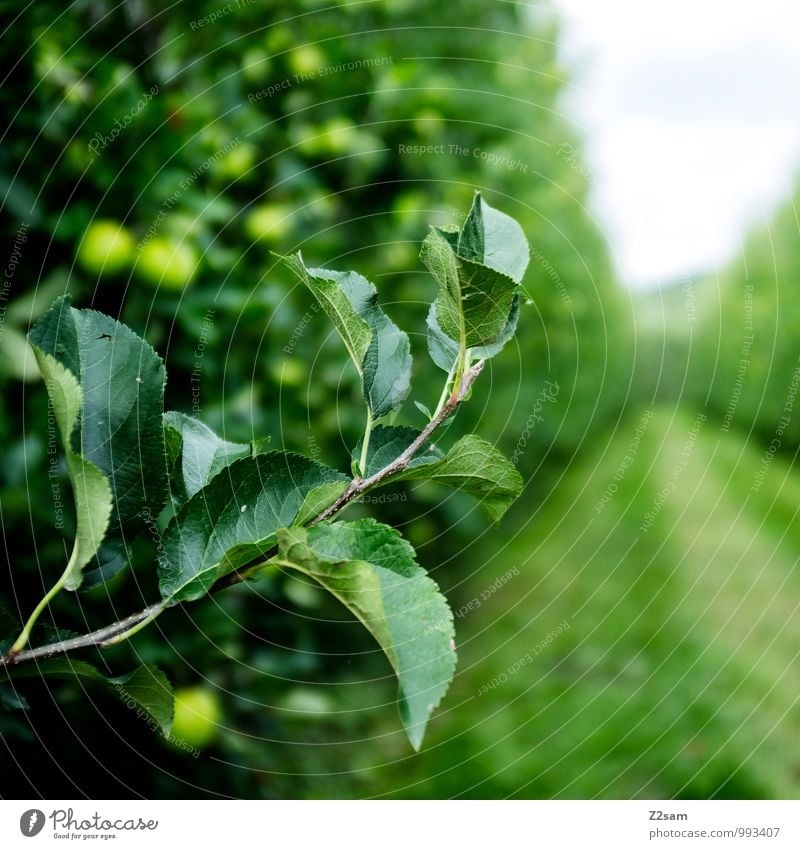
(630, 629)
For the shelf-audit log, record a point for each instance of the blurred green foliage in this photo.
(751, 323)
(300, 125)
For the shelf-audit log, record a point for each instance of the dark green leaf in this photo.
(486, 298)
(444, 350)
(110, 560)
(198, 454)
(106, 385)
(486, 352)
(478, 270)
(479, 312)
(372, 570)
(10, 627)
(233, 520)
(379, 349)
(386, 444)
(387, 365)
(147, 688)
(10, 699)
(476, 467)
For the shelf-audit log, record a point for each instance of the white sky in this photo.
(691, 116)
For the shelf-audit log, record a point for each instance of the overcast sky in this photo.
(691, 114)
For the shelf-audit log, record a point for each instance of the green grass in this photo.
(678, 674)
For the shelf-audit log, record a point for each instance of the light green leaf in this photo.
(147, 688)
(425, 410)
(442, 349)
(379, 349)
(319, 499)
(198, 454)
(90, 489)
(438, 255)
(476, 467)
(494, 239)
(115, 423)
(337, 293)
(233, 520)
(372, 570)
(386, 444)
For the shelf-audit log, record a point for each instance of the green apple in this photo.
(337, 137)
(289, 372)
(237, 161)
(429, 123)
(306, 60)
(268, 222)
(256, 65)
(197, 716)
(163, 262)
(106, 248)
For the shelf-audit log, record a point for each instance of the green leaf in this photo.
(110, 560)
(486, 352)
(107, 386)
(476, 467)
(233, 520)
(337, 294)
(372, 570)
(10, 699)
(379, 349)
(444, 351)
(150, 689)
(90, 489)
(147, 688)
(387, 364)
(478, 270)
(386, 444)
(198, 454)
(425, 410)
(494, 239)
(318, 500)
(486, 299)
(480, 310)
(439, 257)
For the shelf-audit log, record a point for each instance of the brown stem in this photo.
(97, 639)
(358, 486)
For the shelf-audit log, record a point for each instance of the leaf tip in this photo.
(416, 734)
